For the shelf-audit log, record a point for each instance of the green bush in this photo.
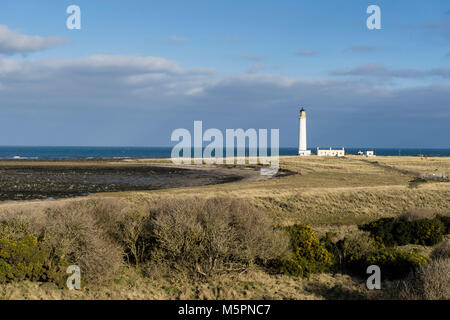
(14, 228)
(289, 266)
(356, 252)
(381, 230)
(394, 264)
(445, 221)
(21, 259)
(427, 232)
(308, 254)
(392, 232)
(354, 246)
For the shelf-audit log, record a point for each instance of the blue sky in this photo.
(139, 69)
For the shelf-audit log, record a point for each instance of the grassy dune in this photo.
(332, 191)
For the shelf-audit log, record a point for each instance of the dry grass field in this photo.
(253, 285)
(330, 194)
(333, 191)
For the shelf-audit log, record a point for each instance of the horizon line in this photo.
(283, 147)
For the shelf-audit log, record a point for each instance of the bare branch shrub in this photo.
(71, 233)
(441, 251)
(205, 237)
(430, 282)
(126, 224)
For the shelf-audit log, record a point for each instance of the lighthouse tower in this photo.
(302, 135)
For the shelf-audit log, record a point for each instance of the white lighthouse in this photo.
(302, 135)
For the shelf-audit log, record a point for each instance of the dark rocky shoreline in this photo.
(30, 179)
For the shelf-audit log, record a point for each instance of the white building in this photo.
(302, 151)
(331, 152)
(370, 153)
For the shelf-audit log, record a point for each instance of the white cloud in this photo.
(12, 42)
(152, 82)
(194, 91)
(160, 94)
(376, 70)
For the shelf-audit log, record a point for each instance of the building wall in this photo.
(304, 153)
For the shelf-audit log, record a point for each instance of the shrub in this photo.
(393, 232)
(205, 237)
(393, 263)
(353, 247)
(133, 234)
(429, 282)
(14, 228)
(288, 266)
(445, 219)
(356, 252)
(308, 254)
(426, 232)
(381, 230)
(71, 235)
(442, 251)
(127, 226)
(21, 259)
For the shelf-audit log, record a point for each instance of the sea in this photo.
(36, 152)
